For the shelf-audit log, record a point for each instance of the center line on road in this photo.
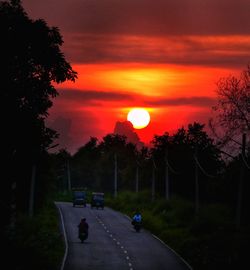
(117, 242)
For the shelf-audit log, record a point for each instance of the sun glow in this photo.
(139, 117)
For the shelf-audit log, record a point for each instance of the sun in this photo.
(139, 118)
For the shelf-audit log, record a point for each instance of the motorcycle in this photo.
(83, 236)
(137, 226)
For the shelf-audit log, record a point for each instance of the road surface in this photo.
(112, 243)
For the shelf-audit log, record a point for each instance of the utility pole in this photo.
(153, 181)
(241, 182)
(13, 205)
(68, 176)
(166, 175)
(115, 177)
(32, 191)
(137, 179)
(196, 182)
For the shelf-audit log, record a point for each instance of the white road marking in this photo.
(117, 242)
(65, 238)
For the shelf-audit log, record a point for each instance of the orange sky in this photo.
(170, 93)
(162, 55)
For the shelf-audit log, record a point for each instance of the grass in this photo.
(207, 241)
(37, 242)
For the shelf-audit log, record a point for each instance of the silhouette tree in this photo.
(115, 159)
(85, 169)
(231, 124)
(232, 111)
(31, 65)
(181, 148)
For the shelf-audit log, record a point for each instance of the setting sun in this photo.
(139, 118)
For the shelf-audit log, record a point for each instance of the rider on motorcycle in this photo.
(137, 219)
(83, 228)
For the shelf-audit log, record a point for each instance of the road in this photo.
(112, 243)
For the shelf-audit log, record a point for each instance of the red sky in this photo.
(162, 55)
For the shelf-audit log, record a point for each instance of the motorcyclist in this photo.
(137, 218)
(83, 228)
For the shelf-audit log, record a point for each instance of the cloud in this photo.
(74, 128)
(93, 95)
(78, 99)
(147, 17)
(98, 98)
(62, 126)
(125, 128)
(183, 101)
(188, 32)
(184, 50)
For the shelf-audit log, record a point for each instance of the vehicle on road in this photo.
(79, 198)
(97, 200)
(137, 221)
(83, 228)
(137, 226)
(83, 236)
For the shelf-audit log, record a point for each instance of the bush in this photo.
(37, 242)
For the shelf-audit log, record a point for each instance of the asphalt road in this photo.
(112, 243)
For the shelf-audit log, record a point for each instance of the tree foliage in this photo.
(32, 63)
(232, 111)
(178, 151)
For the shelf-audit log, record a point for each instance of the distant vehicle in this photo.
(97, 200)
(137, 225)
(79, 198)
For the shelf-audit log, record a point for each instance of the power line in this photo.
(201, 168)
(171, 168)
(154, 163)
(245, 162)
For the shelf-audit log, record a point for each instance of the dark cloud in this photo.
(186, 50)
(74, 127)
(183, 101)
(93, 95)
(96, 98)
(62, 126)
(147, 17)
(126, 129)
(127, 31)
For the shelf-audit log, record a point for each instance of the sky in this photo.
(162, 55)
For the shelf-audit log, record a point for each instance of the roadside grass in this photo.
(63, 196)
(206, 241)
(37, 242)
(168, 220)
